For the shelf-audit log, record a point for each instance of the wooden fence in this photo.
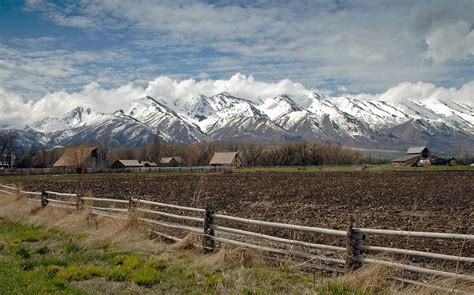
(43, 171)
(208, 224)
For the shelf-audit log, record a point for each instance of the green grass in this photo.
(36, 260)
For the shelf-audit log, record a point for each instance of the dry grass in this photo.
(125, 235)
(228, 257)
(129, 235)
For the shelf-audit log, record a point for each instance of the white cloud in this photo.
(15, 110)
(238, 85)
(450, 42)
(423, 91)
(366, 44)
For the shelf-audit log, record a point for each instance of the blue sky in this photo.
(334, 46)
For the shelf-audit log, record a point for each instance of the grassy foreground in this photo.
(52, 251)
(111, 259)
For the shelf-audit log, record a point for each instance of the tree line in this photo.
(299, 153)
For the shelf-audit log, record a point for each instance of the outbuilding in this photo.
(121, 164)
(226, 159)
(174, 161)
(80, 157)
(149, 164)
(414, 156)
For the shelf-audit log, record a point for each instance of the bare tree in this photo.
(251, 153)
(8, 146)
(105, 144)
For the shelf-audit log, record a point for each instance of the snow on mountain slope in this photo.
(350, 121)
(76, 117)
(233, 118)
(125, 130)
(157, 115)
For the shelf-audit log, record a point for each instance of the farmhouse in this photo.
(415, 156)
(226, 159)
(174, 161)
(80, 157)
(120, 164)
(149, 164)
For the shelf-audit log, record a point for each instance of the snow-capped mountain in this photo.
(164, 120)
(443, 125)
(76, 117)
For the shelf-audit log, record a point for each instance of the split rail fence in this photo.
(214, 229)
(43, 171)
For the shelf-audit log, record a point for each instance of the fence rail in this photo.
(42, 171)
(352, 257)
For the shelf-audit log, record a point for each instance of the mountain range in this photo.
(442, 125)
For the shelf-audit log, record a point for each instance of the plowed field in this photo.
(424, 201)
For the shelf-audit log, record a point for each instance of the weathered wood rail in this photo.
(43, 171)
(330, 257)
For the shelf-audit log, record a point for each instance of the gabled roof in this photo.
(167, 160)
(416, 149)
(77, 156)
(406, 158)
(130, 163)
(223, 158)
(149, 163)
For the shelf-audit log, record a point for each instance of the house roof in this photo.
(130, 163)
(77, 156)
(223, 158)
(405, 158)
(167, 160)
(415, 149)
(149, 163)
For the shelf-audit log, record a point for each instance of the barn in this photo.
(174, 161)
(121, 164)
(226, 159)
(80, 157)
(414, 156)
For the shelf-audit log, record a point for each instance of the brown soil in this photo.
(423, 201)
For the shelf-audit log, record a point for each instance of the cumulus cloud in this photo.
(367, 45)
(422, 91)
(450, 42)
(238, 85)
(16, 110)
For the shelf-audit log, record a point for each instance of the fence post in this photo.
(44, 199)
(208, 242)
(130, 206)
(353, 247)
(79, 202)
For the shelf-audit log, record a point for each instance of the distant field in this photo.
(353, 168)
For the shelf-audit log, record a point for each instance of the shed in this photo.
(149, 164)
(120, 164)
(226, 159)
(174, 161)
(80, 157)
